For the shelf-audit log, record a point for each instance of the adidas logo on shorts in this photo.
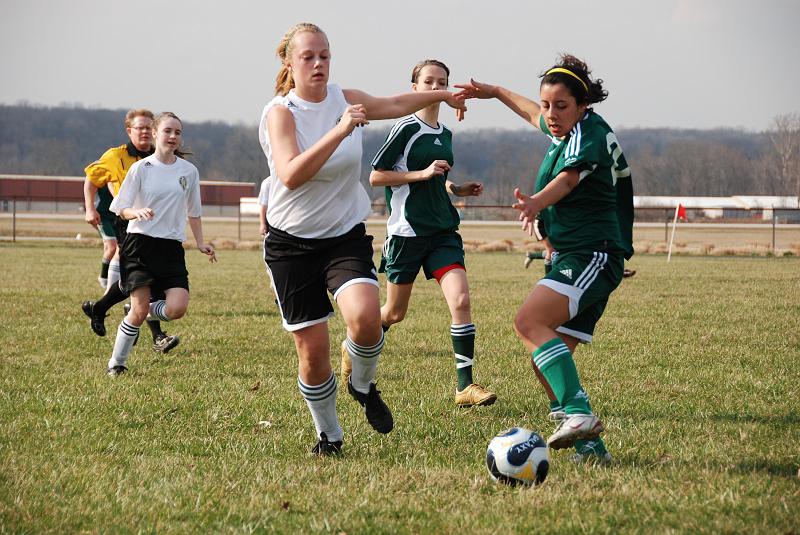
(567, 273)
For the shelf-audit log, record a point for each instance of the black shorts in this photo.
(304, 269)
(155, 262)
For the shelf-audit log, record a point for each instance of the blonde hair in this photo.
(284, 81)
(160, 118)
(133, 114)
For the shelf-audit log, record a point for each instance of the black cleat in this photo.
(378, 414)
(325, 448)
(163, 342)
(97, 322)
(116, 370)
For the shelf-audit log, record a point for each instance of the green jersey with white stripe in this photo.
(598, 213)
(419, 208)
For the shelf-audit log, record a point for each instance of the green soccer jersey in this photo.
(598, 213)
(420, 208)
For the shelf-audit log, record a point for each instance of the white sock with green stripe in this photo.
(321, 401)
(365, 363)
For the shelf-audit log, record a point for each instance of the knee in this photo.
(365, 329)
(175, 310)
(137, 314)
(461, 303)
(393, 315)
(524, 325)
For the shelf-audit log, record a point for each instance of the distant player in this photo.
(96, 202)
(158, 195)
(422, 231)
(584, 197)
(107, 174)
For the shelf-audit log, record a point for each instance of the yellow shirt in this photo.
(113, 165)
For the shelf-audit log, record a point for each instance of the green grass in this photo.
(694, 371)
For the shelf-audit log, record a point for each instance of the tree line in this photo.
(664, 161)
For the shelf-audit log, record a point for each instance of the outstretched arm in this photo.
(557, 189)
(404, 103)
(522, 106)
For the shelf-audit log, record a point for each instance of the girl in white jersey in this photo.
(158, 194)
(317, 241)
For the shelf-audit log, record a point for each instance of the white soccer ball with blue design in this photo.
(518, 456)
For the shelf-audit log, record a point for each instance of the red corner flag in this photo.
(681, 212)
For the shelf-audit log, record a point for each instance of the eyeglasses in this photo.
(142, 128)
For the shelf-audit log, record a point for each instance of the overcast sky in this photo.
(666, 63)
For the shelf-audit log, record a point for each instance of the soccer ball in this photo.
(518, 455)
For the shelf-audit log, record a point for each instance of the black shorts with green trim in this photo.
(403, 256)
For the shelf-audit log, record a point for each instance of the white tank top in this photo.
(334, 200)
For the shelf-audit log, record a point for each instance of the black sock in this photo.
(155, 328)
(104, 268)
(113, 296)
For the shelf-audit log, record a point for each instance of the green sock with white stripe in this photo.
(463, 337)
(555, 362)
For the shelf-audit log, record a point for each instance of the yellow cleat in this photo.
(347, 366)
(475, 395)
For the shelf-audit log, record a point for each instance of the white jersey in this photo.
(334, 200)
(171, 191)
(263, 193)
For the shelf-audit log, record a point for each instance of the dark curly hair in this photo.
(583, 88)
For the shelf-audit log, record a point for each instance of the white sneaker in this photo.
(528, 261)
(557, 416)
(576, 426)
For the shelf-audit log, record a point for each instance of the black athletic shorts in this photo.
(303, 270)
(155, 262)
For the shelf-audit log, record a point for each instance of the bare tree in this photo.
(785, 140)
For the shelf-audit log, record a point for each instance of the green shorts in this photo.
(106, 227)
(403, 256)
(587, 279)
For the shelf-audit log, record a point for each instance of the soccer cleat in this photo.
(528, 261)
(97, 322)
(474, 395)
(574, 427)
(116, 370)
(557, 416)
(325, 448)
(164, 342)
(378, 414)
(347, 366)
(588, 455)
(627, 273)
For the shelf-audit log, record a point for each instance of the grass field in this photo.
(695, 372)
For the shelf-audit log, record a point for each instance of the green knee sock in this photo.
(555, 362)
(463, 337)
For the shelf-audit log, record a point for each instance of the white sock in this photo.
(126, 336)
(365, 363)
(113, 272)
(157, 311)
(321, 401)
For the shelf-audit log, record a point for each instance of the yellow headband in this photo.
(567, 71)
